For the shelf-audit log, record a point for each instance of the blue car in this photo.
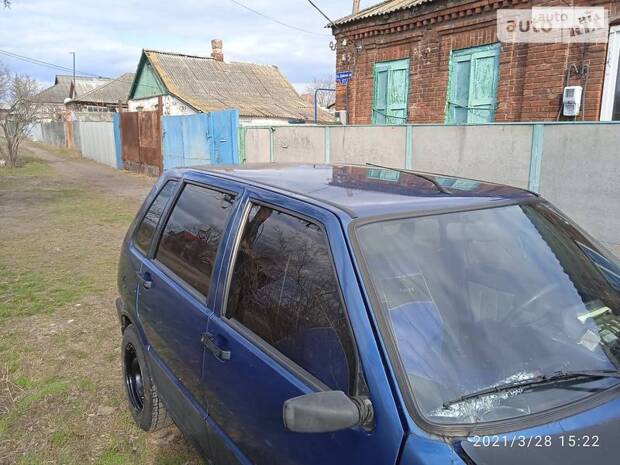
(318, 314)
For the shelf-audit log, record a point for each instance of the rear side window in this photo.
(189, 243)
(146, 230)
(284, 290)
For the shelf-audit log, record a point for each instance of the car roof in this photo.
(365, 191)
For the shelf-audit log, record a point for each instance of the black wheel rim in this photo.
(133, 378)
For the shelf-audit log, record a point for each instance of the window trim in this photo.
(258, 341)
(171, 200)
(610, 76)
(157, 237)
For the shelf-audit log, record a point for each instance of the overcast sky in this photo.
(108, 35)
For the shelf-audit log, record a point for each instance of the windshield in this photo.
(482, 298)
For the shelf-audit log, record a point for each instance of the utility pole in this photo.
(74, 89)
(356, 6)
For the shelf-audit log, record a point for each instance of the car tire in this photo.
(146, 407)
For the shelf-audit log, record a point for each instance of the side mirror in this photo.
(325, 412)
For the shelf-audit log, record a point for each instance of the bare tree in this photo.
(6, 3)
(18, 110)
(325, 99)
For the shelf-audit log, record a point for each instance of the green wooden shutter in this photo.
(472, 85)
(391, 95)
(381, 90)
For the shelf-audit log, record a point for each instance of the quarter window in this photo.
(146, 230)
(190, 240)
(284, 290)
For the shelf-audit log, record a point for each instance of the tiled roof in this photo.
(211, 85)
(383, 8)
(111, 92)
(60, 90)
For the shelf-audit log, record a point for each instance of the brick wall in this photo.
(531, 77)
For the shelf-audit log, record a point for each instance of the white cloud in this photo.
(108, 36)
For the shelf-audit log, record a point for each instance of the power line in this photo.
(281, 23)
(321, 11)
(38, 62)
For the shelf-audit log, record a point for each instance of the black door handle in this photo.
(209, 341)
(147, 281)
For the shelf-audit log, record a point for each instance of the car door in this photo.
(281, 330)
(138, 243)
(173, 302)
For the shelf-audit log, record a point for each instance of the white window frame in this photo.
(611, 74)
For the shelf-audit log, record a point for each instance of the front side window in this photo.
(484, 298)
(146, 230)
(284, 290)
(189, 243)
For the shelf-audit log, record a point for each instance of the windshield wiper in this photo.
(536, 382)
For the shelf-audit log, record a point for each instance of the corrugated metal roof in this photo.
(211, 85)
(60, 90)
(389, 6)
(111, 92)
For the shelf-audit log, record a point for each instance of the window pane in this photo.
(145, 231)
(284, 289)
(189, 243)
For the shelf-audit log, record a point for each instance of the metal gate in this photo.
(201, 139)
(141, 141)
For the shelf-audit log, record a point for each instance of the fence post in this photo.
(536, 157)
(118, 146)
(409, 147)
(271, 131)
(242, 137)
(328, 145)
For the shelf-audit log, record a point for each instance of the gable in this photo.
(147, 83)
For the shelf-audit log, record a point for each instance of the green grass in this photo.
(60, 438)
(44, 389)
(64, 259)
(32, 167)
(59, 338)
(30, 458)
(28, 292)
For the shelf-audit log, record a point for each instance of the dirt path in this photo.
(97, 176)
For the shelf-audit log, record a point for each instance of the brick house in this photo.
(441, 61)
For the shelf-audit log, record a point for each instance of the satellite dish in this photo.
(67, 100)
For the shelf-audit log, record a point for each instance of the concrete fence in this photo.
(574, 165)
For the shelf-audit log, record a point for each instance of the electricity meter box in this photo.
(572, 100)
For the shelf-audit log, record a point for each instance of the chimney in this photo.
(216, 50)
(356, 6)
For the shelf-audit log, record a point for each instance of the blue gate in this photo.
(201, 139)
